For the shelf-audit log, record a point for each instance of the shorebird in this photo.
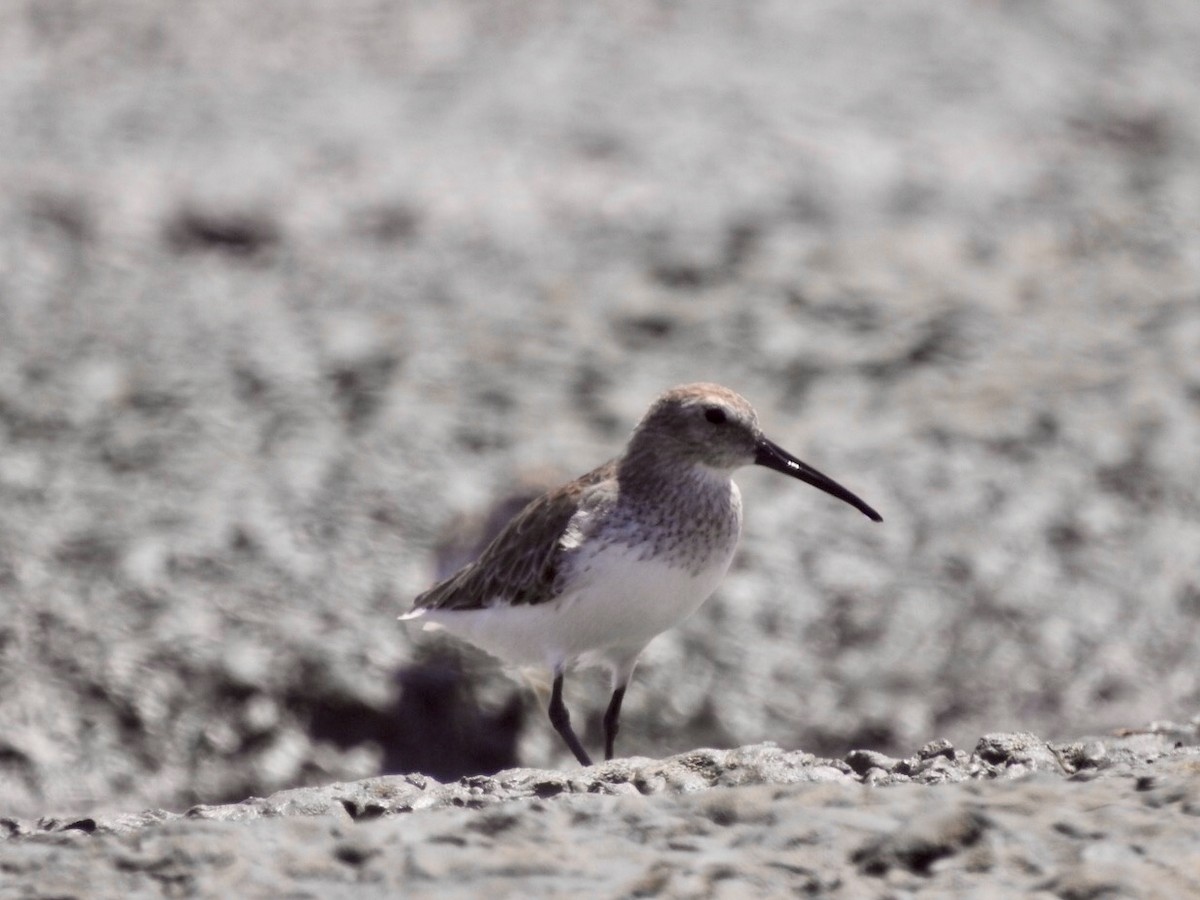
(589, 573)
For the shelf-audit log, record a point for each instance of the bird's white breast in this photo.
(615, 601)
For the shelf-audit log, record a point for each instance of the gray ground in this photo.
(290, 292)
(1017, 816)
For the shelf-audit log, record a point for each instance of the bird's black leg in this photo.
(561, 720)
(611, 723)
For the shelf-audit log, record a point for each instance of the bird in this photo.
(587, 574)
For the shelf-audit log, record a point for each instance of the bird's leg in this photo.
(611, 723)
(561, 720)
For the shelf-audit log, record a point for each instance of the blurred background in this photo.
(295, 296)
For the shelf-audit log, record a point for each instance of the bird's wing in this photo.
(522, 565)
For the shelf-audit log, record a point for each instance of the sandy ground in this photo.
(294, 296)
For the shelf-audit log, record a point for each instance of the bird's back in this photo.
(523, 564)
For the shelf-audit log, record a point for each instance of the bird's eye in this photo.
(715, 414)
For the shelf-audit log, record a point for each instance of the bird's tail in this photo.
(416, 614)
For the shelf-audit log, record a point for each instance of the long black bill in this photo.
(775, 457)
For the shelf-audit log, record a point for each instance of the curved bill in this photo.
(773, 456)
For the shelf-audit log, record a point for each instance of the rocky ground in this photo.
(1016, 817)
(293, 297)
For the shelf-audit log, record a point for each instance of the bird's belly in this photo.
(615, 602)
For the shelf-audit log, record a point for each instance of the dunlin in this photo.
(588, 574)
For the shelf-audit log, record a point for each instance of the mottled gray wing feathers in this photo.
(522, 565)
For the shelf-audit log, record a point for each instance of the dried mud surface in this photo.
(293, 298)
